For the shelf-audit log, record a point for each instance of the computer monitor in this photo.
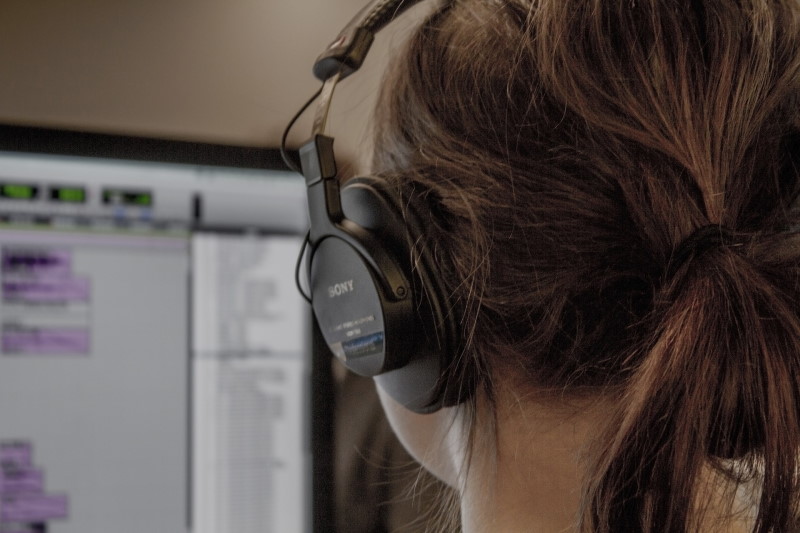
(155, 354)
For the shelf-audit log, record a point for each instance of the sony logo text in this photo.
(337, 289)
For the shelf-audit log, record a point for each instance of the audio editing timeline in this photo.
(154, 360)
(93, 370)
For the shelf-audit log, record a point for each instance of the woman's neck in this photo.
(530, 478)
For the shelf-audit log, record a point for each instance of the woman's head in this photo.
(566, 150)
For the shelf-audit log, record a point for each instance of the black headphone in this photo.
(381, 315)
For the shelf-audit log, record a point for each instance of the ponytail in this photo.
(719, 385)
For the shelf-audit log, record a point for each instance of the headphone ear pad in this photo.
(421, 383)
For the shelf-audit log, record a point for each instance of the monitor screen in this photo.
(155, 354)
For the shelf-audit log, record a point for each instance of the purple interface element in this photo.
(42, 277)
(33, 507)
(22, 497)
(37, 262)
(47, 290)
(21, 480)
(46, 341)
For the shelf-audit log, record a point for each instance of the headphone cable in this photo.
(292, 165)
(298, 265)
(284, 154)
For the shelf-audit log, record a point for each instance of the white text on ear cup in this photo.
(337, 289)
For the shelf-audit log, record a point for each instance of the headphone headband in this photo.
(346, 53)
(374, 284)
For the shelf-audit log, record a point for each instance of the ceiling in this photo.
(230, 72)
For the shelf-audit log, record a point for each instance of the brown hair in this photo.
(564, 150)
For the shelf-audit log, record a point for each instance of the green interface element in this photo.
(18, 191)
(68, 195)
(127, 197)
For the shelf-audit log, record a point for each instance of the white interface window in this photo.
(250, 387)
(154, 359)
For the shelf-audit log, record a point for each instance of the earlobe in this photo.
(435, 440)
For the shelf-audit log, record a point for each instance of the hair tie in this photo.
(699, 242)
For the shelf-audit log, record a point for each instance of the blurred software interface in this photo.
(154, 356)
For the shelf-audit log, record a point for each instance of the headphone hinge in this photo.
(319, 169)
(317, 160)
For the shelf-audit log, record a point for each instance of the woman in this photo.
(610, 187)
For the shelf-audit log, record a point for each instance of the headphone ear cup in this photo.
(352, 309)
(422, 383)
